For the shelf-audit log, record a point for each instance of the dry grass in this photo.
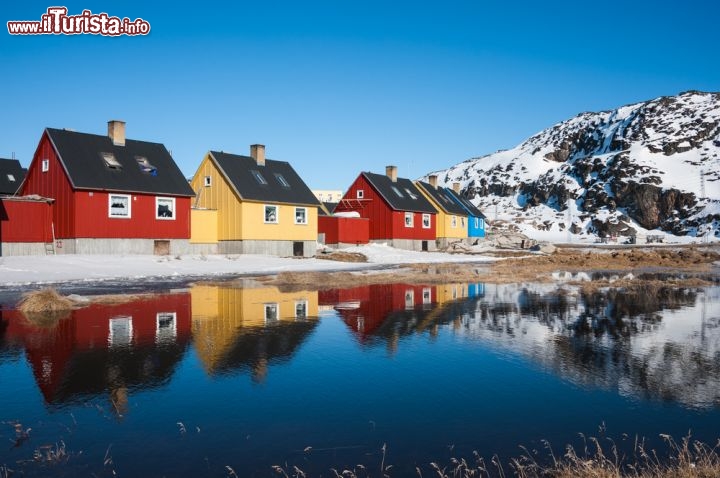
(342, 256)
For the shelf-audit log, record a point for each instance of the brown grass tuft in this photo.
(342, 256)
(44, 308)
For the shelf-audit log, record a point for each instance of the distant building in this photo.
(452, 217)
(399, 213)
(328, 195)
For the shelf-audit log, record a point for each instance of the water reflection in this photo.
(247, 329)
(104, 349)
(662, 344)
(659, 344)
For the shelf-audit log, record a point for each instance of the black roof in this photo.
(469, 207)
(329, 206)
(442, 198)
(275, 182)
(401, 195)
(82, 157)
(11, 175)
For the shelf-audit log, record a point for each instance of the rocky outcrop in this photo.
(651, 165)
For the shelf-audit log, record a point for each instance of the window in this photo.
(110, 161)
(281, 179)
(119, 205)
(121, 331)
(410, 193)
(397, 191)
(477, 222)
(300, 215)
(165, 327)
(462, 222)
(11, 178)
(258, 177)
(208, 181)
(426, 295)
(145, 165)
(165, 208)
(360, 194)
(426, 221)
(409, 299)
(301, 307)
(45, 165)
(271, 214)
(272, 312)
(408, 219)
(453, 221)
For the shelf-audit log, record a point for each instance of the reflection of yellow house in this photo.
(247, 327)
(451, 217)
(262, 206)
(449, 292)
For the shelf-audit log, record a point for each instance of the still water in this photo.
(216, 380)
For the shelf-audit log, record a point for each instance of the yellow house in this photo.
(451, 217)
(262, 206)
(246, 329)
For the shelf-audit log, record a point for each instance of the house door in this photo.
(425, 246)
(161, 248)
(298, 249)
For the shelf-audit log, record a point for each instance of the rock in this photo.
(545, 248)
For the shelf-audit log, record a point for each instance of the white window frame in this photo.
(11, 178)
(277, 213)
(462, 222)
(127, 322)
(426, 224)
(427, 295)
(275, 308)
(453, 221)
(410, 223)
(165, 333)
(157, 209)
(45, 165)
(360, 194)
(207, 181)
(305, 215)
(304, 304)
(409, 299)
(477, 223)
(129, 206)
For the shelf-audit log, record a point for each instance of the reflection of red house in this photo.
(112, 194)
(104, 349)
(399, 214)
(366, 309)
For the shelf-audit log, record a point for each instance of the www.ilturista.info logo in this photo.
(57, 22)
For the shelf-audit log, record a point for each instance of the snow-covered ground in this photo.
(27, 270)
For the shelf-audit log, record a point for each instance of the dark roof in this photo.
(402, 201)
(81, 155)
(466, 204)
(11, 175)
(278, 181)
(443, 199)
(329, 206)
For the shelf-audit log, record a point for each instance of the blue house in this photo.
(476, 219)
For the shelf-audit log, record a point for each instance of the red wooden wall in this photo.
(348, 230)
(25, 221)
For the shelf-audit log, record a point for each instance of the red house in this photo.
(112, 194)
(399, 214)
(344, 229)
(25, 225)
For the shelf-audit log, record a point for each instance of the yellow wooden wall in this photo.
(203, 226)
(244, 220)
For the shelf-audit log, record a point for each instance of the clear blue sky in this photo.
(338, 87)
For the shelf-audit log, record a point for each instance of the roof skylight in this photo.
(258, 177)
(110, 161)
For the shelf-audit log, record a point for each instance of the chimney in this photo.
(116, 132)
(433, 180)
(456, 187)
(257, 151)
(391, 172)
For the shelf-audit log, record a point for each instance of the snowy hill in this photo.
(651, 168)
